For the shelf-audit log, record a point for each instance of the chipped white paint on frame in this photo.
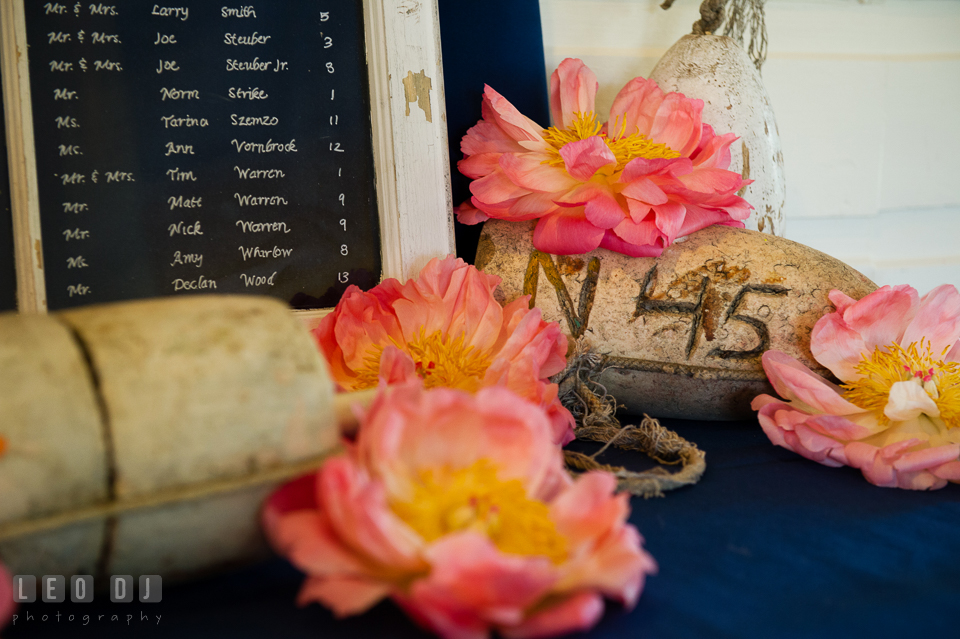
(409, 133)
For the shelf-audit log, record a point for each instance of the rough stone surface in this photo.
(716, 70)
(684, 331)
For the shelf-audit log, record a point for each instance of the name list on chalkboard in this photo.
(203, 149)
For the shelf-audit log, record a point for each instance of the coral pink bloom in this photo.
(7, 604)
(896, 416)
(654, 172)
(447, 328)
(458, 507)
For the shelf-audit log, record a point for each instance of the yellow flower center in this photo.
(884, 368)
(623, 147)
(440, 361)
(473, 498)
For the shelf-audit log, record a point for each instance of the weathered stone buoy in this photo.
(716, 70)
(682, 333)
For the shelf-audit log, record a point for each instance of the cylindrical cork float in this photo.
(682, 334)
(142, 438)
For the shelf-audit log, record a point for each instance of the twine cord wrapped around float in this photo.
(595, 412)
(737, 18)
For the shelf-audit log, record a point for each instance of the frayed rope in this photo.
(595, 412)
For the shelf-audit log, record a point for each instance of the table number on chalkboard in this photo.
(286, 149)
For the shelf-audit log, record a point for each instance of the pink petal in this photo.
(473, 586)
(480, 165)
(713, 151)
(643, 234)
(878, 466)
(669, 219)
(604, 212)
(815, 446)
(642, 167)
(923, 480)
(706, 180)
(949, 471)
(408, 430)
(343, 595)
(467, 213)
(792, 380)
(605, 553)
(566, 232)
(771, 414)
(927, 458)
(533, 206)
(645, 190)
(298, 494)
(839, 427)
(613, 243)
(953, 355)
(470, 567)
(496, 187)
(573, 88)
(531, 339)
(307, 540)
(451, 297)
(498, 109)
(7, 604)
(677, 123)
(618, 566)
(530, 173)
(881, 316)
(841, 300)
(640, 212)
(874, 468)
(634, 108)
(762, 400)
(583, 158)
(358, 514)
(837, 346)
(697, 217)
(937, 319)
(488, 138)
(396, 366)
(578, 612)
(589, 508)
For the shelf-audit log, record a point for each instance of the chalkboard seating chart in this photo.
(198, 147)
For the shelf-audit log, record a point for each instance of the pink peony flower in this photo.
(654, 172)
(458, 507)
(446, 328)
(896, 416)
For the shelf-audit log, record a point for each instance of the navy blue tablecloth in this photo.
(766, 545)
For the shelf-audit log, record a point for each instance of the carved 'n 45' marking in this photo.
(703, 315)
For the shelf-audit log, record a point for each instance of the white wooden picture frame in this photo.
(411, 159)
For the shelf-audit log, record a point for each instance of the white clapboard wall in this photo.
(867, 99)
